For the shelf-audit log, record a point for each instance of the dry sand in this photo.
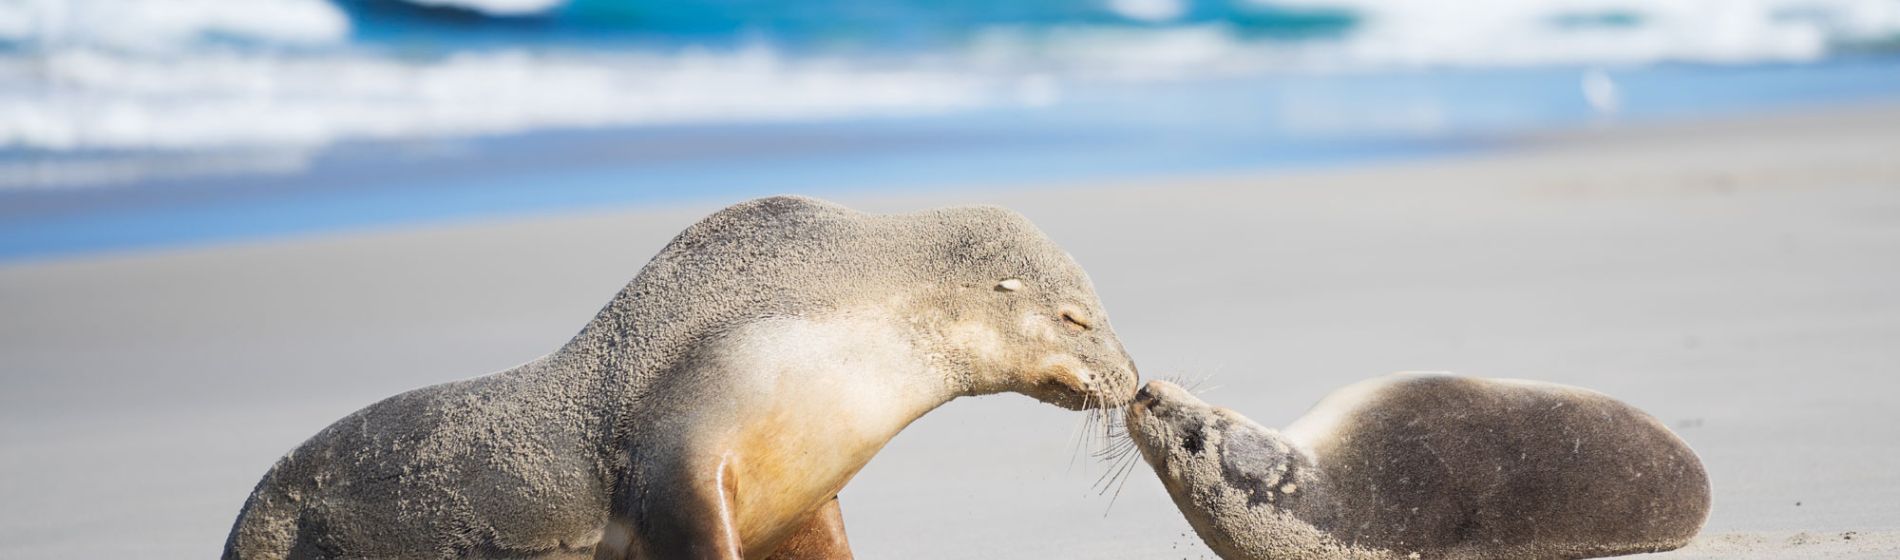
(1739, 279)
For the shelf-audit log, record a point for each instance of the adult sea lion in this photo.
(715, 406)
(1426, 466)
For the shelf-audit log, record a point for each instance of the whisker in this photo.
(1075, 441)
(1118, 487)
(1106, 439)
(1116, 458)
(1124, 468)
(1113, 455)
(1120, 456)
(1196, 384)
(1085, 439)
(1107, 479)
(1112, 445)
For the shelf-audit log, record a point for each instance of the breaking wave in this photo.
(195, 74)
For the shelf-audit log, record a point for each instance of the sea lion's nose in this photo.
(1146, 396)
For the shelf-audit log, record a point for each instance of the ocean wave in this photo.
(1509, 32)
(101, 100)
(1363, 31)
(80, 75)
(168, 25)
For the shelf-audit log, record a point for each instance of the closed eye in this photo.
(1074, 321)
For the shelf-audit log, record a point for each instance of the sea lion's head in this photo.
(1203, 449)
(1019, 315)
(1230, 476)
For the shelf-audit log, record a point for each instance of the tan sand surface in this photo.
(1739, 279)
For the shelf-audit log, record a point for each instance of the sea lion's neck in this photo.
(867, 358)
(815, 400)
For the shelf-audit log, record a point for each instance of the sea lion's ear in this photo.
(1009, 285)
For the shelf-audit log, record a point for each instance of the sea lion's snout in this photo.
(1165, 420)
(1120, 382)
(1090, 373)
(1149, 397)
(1130, 374)
(1162, 412)
(1157, 395)
(1115, 375)
(1144, 397)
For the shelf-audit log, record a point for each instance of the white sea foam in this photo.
(1517, 32)
(93, 99)
(163, 25)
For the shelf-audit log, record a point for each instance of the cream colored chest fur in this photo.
(813, 401)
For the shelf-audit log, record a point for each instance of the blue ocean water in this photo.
(823, 24)
(110, 76)
(163, 123)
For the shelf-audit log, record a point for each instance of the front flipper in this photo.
(822, 538)
(694, 517)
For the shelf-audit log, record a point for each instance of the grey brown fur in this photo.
(1427, 466)
(544, 459)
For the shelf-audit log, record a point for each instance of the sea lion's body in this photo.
(715, 407)
(1427, 466)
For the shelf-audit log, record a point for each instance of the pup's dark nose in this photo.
(1145, 397)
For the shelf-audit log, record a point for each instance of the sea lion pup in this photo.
(1426, 466)
(715, 406)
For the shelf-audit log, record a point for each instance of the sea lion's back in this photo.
(1522, 468)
